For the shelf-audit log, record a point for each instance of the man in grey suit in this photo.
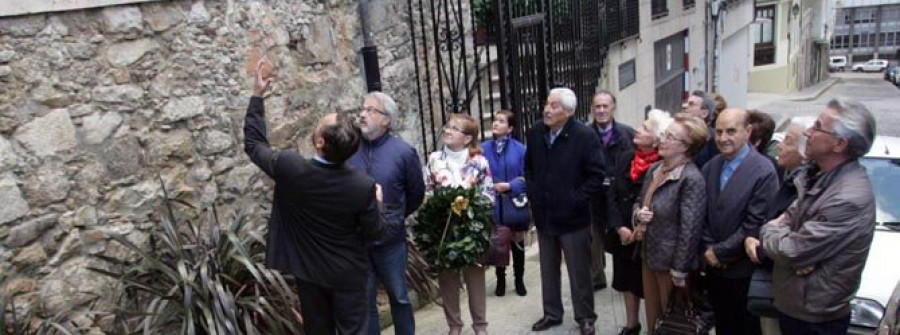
(739, 181)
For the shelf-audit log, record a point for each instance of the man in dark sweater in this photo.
(323, 216)
(396, 168)
(563, 170)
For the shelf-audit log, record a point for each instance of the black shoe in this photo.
(520, 287)
(631, 331)
(586, 328)
(600, 286)
(545, 323)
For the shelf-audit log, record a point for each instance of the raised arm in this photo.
(256, 143)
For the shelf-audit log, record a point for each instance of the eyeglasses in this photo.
(370, 110)
(452, 127)
(818, 127)
(668, 137)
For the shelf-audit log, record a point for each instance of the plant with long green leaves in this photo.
(201, 276)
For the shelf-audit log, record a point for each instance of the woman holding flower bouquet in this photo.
(460, 165)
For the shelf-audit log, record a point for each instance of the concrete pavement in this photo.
(880, 96)
(512, 314)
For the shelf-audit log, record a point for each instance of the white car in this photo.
(837, 63)
(874, 65)
(881, 273)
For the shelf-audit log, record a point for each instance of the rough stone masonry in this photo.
(96, 103)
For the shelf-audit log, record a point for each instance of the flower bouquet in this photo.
(453, 228)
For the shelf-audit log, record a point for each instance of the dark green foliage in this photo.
(449, 240)
(202, 276)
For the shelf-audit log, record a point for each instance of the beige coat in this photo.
(829, 228)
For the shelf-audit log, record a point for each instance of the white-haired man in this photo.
(395, 166)
(563, 170)
(821, 242)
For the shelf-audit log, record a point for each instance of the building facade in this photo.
(655, 66)
(866, 29)
(675, 52)
(790, 44)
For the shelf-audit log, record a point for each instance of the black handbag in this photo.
(681, 316)
(761, 295)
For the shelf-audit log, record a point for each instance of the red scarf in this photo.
(641, 162)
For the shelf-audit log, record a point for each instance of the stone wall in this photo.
(98, 105)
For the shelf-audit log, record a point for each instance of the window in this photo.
(622, 20)
(839, 42)
(659, 8)
(688, 4)
(864, 15)
(764, 45)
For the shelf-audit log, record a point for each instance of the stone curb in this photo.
(831, 82)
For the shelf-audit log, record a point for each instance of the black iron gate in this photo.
(477, 56)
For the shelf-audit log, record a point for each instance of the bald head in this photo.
(732, 132)
(735, 113)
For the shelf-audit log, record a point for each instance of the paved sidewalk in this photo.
(758, 100)
(512, 314)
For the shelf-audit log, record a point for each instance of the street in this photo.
(881, 97)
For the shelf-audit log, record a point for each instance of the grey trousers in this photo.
(598, 254)
(576, 246)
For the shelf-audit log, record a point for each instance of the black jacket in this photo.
(737, 211)
(614, 208)
(562, 178)
(323, 215)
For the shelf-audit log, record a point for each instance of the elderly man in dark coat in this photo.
(739, 182)
(563, 170)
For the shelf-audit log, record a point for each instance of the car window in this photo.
(884, 174)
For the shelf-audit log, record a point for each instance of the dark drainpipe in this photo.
(369, 51)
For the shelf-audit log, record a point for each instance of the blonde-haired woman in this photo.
(626, 266)
(460, 163)
(670, 213)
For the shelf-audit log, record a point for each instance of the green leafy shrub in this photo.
(202, 276)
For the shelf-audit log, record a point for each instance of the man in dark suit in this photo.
(739, 182)
(323, 216)
(563, 170)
